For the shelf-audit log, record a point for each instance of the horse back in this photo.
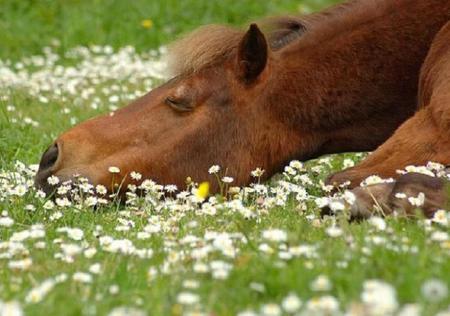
(435, 73)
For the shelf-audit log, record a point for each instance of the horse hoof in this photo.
(346, 177)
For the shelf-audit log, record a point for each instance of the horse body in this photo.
(336, 81)
(424, 137)
(352, 85)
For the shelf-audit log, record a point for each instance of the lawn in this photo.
(263, 250)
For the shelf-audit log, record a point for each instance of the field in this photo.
(263, 250)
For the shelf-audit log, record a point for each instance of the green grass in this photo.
(27, 26)
(406, 257)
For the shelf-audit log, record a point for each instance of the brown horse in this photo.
(337, 81)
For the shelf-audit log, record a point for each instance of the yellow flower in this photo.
(203, 190)
(147, 23)
(446, 245)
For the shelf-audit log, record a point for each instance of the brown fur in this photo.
(341, 80)
(424, 137)
(211, 44)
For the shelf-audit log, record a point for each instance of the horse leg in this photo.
(424, 137)
(421, 139)
(409, 193)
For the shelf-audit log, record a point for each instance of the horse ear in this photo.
(252, 54)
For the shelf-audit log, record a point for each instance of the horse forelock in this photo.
(206, 45)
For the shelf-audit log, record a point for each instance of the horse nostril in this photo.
(49, 158)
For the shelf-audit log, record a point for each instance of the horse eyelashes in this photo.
(179, 104)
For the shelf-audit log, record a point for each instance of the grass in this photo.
(405, 255)
(27, 26)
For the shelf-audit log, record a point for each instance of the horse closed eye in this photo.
(179, 104)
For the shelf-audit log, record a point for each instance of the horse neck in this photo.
(352, 89)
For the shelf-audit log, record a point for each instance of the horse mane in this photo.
(212, 44)
(346, 16)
